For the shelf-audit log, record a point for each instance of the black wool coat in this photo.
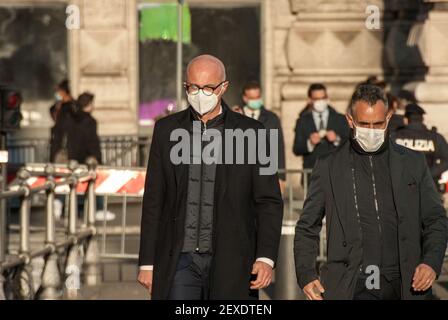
(422, 223)
(248, 212)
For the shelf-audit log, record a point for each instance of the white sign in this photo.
(3, 156)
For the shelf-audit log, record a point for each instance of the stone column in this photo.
(433, 92)
(104, 60)
(328, 42)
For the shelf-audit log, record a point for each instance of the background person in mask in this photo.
(255, 109)
(382, 210)
(319, 131)
(416, 136)
(208, 231)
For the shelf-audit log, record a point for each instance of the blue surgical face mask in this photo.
(255, 104)
(57, 96)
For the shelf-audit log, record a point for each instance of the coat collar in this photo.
(264, 114)
(185, 118)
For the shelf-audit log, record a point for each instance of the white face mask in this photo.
(320, 105)
(203, 103)
(370, 140)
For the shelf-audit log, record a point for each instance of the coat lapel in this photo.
(396, 165)
(341, 182)
(331, 125)
(181, 170)
(311, 122)
(263, 115)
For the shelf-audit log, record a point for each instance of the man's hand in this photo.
(331, 136)
(264, 275)
(424, 277)
(145, 279)
(314, 290)
(315, 138)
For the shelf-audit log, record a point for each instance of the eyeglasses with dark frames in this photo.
(194, 89)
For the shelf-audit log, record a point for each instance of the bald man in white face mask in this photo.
(386, 226)
(209, 230)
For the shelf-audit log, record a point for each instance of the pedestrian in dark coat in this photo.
(83, 139)
(62, 113)
(383, 215)
(255, 108)
(236, 256)
(319, 131)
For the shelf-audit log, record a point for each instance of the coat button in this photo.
(344, 244)
(346, 264)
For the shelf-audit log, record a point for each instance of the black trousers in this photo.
(389, 290)
(191, 281)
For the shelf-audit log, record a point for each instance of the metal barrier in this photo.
(125, 151)
(294, 195)
(303, 177)
(122, 151)
(119, 239)
(123, 230)
(96, 241)
(295, 205)
(78, 238)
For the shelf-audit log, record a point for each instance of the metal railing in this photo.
(122, 151)
(125, 151)
(16, 269)
(122, 230)
(292, 188)
(294, 194)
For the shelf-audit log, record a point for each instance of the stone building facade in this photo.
(328, 41)
(303, 41)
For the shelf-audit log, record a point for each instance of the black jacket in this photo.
(64, 125)
(83, 140)
(305, 127)
(422, 225)
(247, 218)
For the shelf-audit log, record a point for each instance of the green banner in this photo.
(159, 22)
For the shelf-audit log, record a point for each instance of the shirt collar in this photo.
(316, 115)
(248, 112)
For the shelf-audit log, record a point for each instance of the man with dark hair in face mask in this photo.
(386, 226)
(208, 230)
(320, 130)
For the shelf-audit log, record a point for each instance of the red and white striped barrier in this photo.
(108, 182)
